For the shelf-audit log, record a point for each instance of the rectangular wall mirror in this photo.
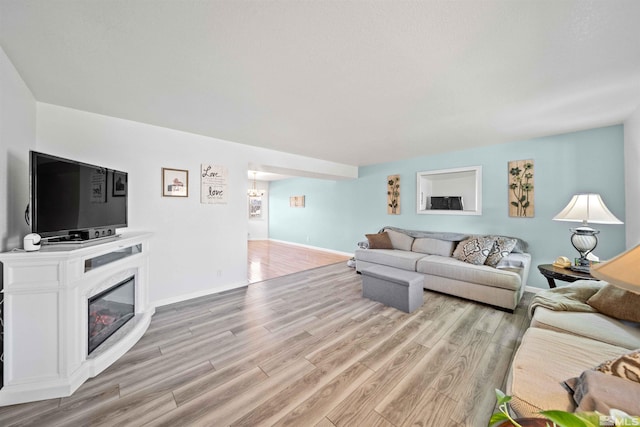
(450, 191)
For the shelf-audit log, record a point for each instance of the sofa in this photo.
(487, 269)
(560, 362)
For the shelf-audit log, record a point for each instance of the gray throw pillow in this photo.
(399, 240)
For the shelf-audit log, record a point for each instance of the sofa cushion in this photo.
(474, 250)
(459, 270)
(590, 325)
(404, 260)
(400, 240)
(427, 245)
(501, 248)
(544, 360)
(617, 303)
(379, 241)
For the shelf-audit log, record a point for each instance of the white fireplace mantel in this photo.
(46, 314)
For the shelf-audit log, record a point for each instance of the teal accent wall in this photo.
(338, 213)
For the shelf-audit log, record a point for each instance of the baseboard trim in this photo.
(532, 289)
(312, 247)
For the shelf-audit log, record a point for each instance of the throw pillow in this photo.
(400, 240)
(427, 245)
(379, 241)
(502, 247)
(474, 250)
(617, 303)
(626, 366)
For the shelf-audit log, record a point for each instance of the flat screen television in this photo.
(71, 200)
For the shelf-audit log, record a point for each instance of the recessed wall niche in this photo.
(455, 191)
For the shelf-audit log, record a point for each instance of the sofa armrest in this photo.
(519, 260)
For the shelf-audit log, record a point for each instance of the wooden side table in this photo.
(552, 272)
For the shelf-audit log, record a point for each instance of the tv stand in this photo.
(46, 315)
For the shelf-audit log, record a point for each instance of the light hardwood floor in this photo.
(302, 350)
(268, 259)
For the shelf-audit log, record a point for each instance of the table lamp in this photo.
(586, 208)
(623, 271)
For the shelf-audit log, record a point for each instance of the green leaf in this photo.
(501, 397)
(497, 417)
(526, 205)
(523, 198)
(514, 204)
(566, 419)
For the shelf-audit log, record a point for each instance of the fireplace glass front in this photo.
(109, 311)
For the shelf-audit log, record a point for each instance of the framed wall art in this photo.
(119, 185)
(393, 195)
(175, 182)
(296, 201)
(213, 184)
(521, 189)
(255, 206)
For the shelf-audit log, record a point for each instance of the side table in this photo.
(552, 272)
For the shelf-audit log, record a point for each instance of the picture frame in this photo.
(296, 201)
(119, 185)
(98, 186)
(255, 206)
(521, 188)
(175, 182)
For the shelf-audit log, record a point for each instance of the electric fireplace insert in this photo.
(109, 311)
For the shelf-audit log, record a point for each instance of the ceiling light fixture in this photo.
(254, 192)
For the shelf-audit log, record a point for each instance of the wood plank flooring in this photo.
(301, 350)
(268, 259)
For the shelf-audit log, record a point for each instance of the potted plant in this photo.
(555, 418)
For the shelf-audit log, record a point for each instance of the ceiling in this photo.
(354, 82)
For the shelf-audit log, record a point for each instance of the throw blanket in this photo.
(568, 298)
(449, 237)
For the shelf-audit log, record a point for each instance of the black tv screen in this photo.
(70, 197)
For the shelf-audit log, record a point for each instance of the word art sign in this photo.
(213, 184)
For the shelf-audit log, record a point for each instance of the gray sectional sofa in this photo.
(432, 255)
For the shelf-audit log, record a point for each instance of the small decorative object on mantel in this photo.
(213, 184)
(175, 182)
(296, 201)
(521, 200)
(393, 195)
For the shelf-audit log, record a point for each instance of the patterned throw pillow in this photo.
(474, 250)
(502, 247)
(626, 366)
(379, 241)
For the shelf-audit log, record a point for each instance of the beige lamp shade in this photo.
(587, 208)
(622, 271)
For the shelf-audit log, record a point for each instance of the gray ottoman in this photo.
(397, 288)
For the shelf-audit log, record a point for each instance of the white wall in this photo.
(197, 248)
(632, 177)
(259, 227)
(17, 137)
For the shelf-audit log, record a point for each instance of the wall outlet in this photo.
(308, 239)
(219, 272)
